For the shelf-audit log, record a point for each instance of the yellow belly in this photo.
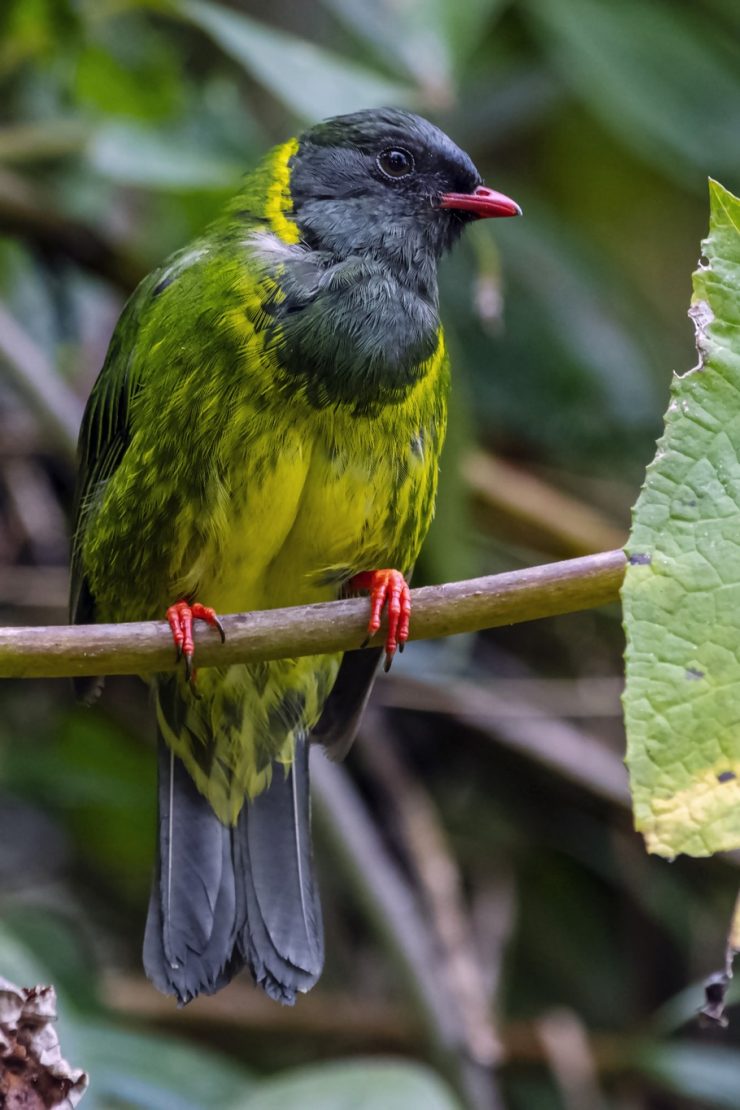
(310, 516)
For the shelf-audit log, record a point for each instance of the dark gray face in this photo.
(371, 183)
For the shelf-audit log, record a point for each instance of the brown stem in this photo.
(28, 369)
(499, 599)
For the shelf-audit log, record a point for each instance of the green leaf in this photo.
(359, 1085)
(102, 787)
(148, 1071)
(682, 590)
(46, 945)
(312, 81)
(410, 36)
(17, 964)
(429, 38)
(707, 1072)
(145, 84)
(155, 1072)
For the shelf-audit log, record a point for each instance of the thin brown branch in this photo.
(573, 754)
(323, 1015)
(391, 908)
(555, 521)
(27, 368)
(31, 214)
(327, 1017)
(40, 587)
(500, 599)
(425, 846)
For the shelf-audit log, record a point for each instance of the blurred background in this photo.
(496, 935)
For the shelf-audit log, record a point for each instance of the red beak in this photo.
(483, 203)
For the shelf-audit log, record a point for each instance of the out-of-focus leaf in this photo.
(48, 948)
(726, 10)
(682, 590)
(502, 108)
(407, 37)
(655, 73)
(96, 780)
(34, 29)
(430, 38)
(16, 960)
(130, 155)
(146, 1072)
(363, 1085)
(566, 370)
(312, 81)
(156, 1072)
(530, 1091)
(426, 37)
(146, 87)
(580, 312)
(706, 1072)
(462, 26)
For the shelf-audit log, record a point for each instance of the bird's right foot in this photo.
(180, 617)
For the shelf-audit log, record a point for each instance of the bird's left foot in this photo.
(180, 617)
(387, 587)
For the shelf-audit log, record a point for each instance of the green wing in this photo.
(106, 424)
(104, 435)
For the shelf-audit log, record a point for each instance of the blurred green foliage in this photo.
(145, 1072)
(123, 125)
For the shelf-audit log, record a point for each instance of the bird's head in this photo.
(388, 183)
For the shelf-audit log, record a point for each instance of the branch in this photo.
(29, 213)
(29, 370)
(521, 595)
(557, 522)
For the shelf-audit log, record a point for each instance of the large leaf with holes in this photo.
(682, 590)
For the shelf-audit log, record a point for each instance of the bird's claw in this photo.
(387, 588)
(180, 617)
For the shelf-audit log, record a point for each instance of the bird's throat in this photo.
(344, 332)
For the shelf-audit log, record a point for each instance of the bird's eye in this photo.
(395, 162)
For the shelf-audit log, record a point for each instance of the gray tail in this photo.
(223, 897)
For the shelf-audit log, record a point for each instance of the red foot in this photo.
(387, 586)
(180, 617)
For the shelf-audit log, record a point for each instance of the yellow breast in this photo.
(314, 499)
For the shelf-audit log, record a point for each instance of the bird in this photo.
(265, 431)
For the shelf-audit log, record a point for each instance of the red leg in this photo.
(387, 587)
(180, 617)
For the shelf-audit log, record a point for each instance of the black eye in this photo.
(395, 162)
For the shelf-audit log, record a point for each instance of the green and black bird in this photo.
(265, 432)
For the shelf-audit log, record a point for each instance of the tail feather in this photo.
(282, 938)
(223, 897)
(192, 925)
(343, 709)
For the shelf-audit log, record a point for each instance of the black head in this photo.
(388, 183)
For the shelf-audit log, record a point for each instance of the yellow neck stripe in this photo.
(279, 201)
